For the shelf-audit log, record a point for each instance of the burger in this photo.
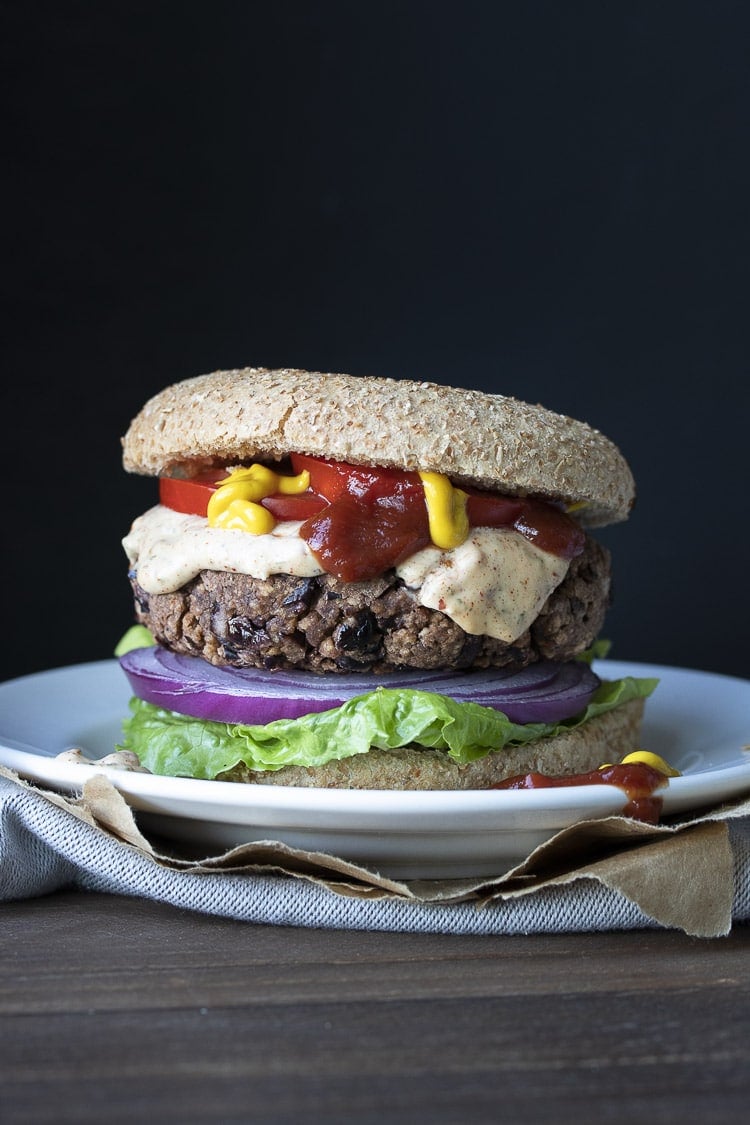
(370, 583)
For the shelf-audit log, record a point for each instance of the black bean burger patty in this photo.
(324, 625)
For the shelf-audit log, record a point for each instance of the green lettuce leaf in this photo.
(177, 745)
(137, 636)
(599, 650)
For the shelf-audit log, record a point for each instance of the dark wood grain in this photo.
(125, 1010)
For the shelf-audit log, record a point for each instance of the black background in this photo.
(546, 200)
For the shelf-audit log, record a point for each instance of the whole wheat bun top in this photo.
(491, 441)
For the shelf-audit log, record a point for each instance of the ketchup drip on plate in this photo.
(637, 780)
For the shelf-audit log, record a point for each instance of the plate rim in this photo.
(245, 797)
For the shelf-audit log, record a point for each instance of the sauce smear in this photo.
(377, 518)
(636, 779)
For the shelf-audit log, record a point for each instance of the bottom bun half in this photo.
(602, 740)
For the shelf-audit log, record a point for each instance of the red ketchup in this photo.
(363, 533)
(376, 518)
(637, 780)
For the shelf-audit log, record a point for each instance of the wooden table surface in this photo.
(116, 1009)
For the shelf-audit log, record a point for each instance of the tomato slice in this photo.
(544, 525)
(190, 496)
(334, 479)
(327, 478)
(488, 509)
(300, 507)
(550, 529)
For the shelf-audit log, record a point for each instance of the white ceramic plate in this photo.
(699, 722)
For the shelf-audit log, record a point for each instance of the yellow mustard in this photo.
(446, 511)
(653, 760)
(648, 759)
(235, 505)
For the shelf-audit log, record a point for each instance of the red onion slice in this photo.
(546, 692)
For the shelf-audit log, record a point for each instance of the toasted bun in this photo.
(604, 739)
(490, 441)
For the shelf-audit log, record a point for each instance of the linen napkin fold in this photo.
(691, 874)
